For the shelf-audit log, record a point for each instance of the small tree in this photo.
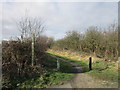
(31, 28)
(28, 25)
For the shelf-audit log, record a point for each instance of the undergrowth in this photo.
(46, 80)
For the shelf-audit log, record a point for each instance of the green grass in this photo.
(104, 70)
(81, 63)
(51, 78)
(100, 69)
(52, 75)
(51, 65)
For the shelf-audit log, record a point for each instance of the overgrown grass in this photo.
(52, 75)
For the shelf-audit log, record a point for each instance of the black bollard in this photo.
(90, 63)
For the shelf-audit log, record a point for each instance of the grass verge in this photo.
(51, 76)
(46, 80)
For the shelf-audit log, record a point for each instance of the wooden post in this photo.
(33, 48)
(90, 63)
(58, 64)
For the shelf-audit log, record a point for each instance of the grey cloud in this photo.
(60, 17)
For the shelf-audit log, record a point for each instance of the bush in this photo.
(16, 61)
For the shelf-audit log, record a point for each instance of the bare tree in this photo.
(31, 28)
(28, 25)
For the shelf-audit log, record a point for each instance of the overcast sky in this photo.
(59, 16)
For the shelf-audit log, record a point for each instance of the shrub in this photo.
(16, 61)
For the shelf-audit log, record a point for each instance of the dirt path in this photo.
(80, 81)
(83, 80)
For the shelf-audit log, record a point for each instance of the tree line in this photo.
(101, 42)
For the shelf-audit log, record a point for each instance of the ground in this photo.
(83, 80)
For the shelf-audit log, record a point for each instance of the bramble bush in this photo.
(16, 59)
